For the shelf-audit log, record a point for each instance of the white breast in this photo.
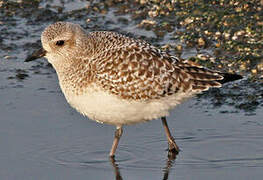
(107, 108)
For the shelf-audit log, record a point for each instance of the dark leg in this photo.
(172, 145)
(115, 143)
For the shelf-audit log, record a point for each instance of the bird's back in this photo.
(133, 69)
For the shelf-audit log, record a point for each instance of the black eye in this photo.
(60, 43)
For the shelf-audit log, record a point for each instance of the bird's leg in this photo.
(115, 143)
(172, 145)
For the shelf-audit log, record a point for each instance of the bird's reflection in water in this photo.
(169, 163)
(116, 169)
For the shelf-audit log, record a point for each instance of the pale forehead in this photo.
(55, 30)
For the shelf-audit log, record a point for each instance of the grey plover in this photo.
(114, 79)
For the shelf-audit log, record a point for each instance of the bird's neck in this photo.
(74, 78)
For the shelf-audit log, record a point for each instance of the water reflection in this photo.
(168, 165)
(115, 168)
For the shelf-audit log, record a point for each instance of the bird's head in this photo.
(61, 41)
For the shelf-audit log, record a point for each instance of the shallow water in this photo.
(42, 137)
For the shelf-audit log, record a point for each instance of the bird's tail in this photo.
(202, 79)
(228, 77)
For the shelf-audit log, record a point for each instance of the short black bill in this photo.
(37, 54)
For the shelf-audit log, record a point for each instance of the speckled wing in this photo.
(141, 72)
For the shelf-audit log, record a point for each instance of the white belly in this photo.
(107, 108)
